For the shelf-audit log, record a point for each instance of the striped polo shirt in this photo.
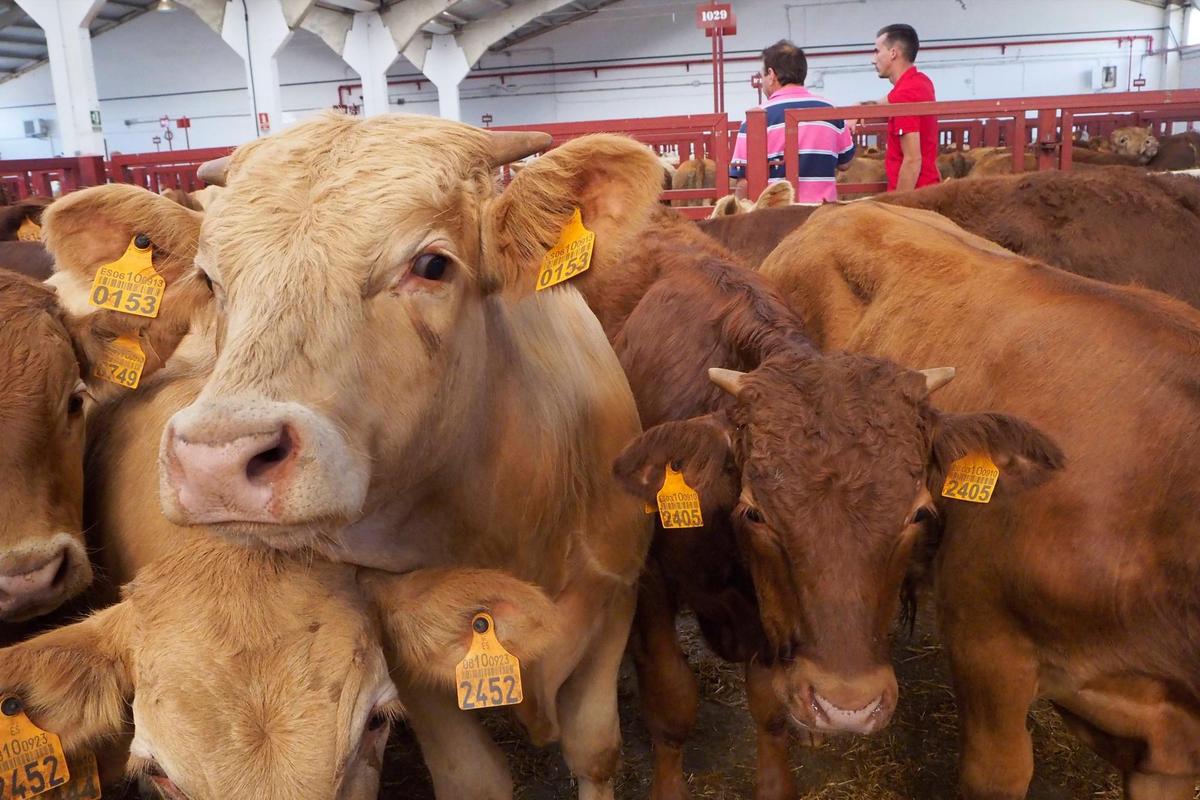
(823, 146)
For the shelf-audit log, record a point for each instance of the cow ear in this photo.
(777, 194)
(612, 180)
(727, 206)
(700, 448)
(1026, 456)
(93, 227)
(76, 680)
(427, 615)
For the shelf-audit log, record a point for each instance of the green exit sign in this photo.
(96, 119)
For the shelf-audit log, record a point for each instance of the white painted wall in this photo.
(173, 64)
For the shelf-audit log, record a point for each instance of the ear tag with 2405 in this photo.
(971, 478)
(571, 256)
(678, 503)
(122, 362)
(489, 675)
(130, 284)
(33, 764)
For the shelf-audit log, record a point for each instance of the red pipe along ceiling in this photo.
(346, 88)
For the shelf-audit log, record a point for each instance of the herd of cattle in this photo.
(360, 424)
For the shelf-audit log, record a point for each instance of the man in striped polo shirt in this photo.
(825, 147)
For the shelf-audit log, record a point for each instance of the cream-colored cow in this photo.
(390, 392)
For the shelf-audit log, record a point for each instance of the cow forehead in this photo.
(332, 186)
(36, 368)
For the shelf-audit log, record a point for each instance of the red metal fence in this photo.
(986, 123)
(967, 123)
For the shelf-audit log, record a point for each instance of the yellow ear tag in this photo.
(971, 478)
(489, 676)
(122, 362)
(649, 508)
(571, 256)
(130, 284)
(29, 231)
(678, 503)
(32, 761)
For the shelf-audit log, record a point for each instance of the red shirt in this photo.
(913, 87)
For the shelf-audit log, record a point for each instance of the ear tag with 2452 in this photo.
(33, 764)
(489, 675)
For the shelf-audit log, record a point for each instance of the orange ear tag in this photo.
(678, 503)
(971, 478)
(130, 284)
(571, 256)
(122, 363)
(489, 675)
(33, 764)
(29, 231)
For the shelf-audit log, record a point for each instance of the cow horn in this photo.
(936, 378)
(213, 172)
(508, 146)
(728, 379)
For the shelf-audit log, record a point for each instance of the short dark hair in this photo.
(787, 60)
(902, 35)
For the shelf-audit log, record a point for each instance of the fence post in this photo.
(1068, 141)
(91, 171)
(1047, 138)
(720, 154)
(756, 152)
(791, 150)
(1018, 142)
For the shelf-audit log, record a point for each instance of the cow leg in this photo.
(669, 692)
(773, 779)
(1140, 786)
(587, 703)
(995, 685)
(462, 759)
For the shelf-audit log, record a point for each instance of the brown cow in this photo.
(1177, 151)
(20, 220)
(695, 173)
(425, 408)
(1083, 591)
(43, 561)
(809, 470)
(1114, 225)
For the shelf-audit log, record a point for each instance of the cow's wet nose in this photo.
(30, 586)
(862, 704)
(234, 480)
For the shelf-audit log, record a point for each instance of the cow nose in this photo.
(233, 480)
(28, 587)
(859, 705)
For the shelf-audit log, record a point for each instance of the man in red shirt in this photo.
(912, 146)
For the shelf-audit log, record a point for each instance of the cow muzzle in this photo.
(242, 465)
(826, 703)
(37, 577)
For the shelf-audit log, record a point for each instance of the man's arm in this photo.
(910, 168)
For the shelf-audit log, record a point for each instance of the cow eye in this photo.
(208, 281)
(431, 266)
(921, 516)
(75, 402)
(377, 720)
(753, 514)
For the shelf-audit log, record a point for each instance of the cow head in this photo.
(1137, 142)
(253, 675)
(360, 266)
(43, 561)
(825, 468)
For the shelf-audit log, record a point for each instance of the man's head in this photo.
(784, 64)
(896, 49)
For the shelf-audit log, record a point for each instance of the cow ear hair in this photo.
(701, 448)
(776, 195)
(1025, 456)
(76, 680)
(426, 617)
(614, 182)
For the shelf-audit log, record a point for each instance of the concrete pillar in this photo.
(370, 51)
(1173, 20)
(446, 59)
(257, 30)
(446, 65)
(69, 42)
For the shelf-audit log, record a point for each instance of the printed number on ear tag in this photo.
(122, 362)
(489, 676)
(678, 503)
(571, 256)
(33, 764)
(971, 478)
(130, 284)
